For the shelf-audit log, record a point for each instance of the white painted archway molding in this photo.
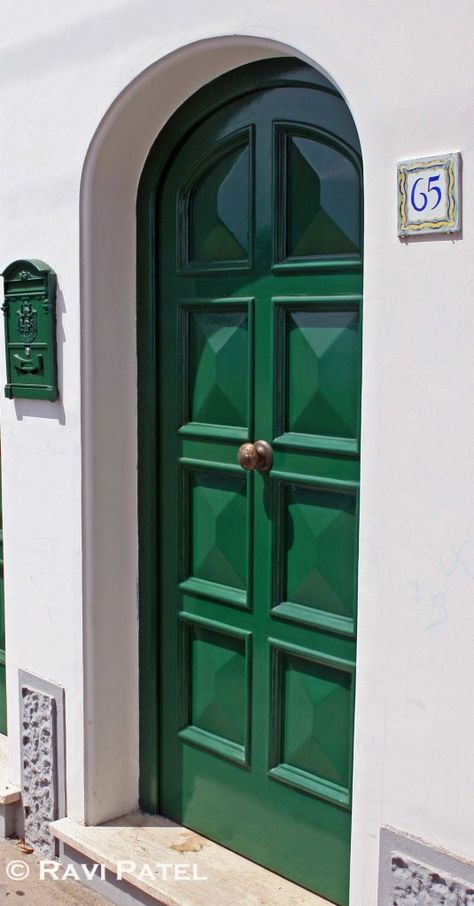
(111, 174)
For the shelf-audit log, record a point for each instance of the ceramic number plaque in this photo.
(429, 197)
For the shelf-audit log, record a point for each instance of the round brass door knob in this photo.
(255, 456)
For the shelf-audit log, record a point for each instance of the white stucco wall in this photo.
(407, 72)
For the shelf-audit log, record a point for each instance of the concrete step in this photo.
(185, 869)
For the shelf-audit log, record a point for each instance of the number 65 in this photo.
(419, 199)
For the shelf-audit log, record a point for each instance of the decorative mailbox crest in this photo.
(30, 330)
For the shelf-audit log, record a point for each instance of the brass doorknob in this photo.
(255, 456)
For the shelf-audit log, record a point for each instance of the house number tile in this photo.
(429, 195)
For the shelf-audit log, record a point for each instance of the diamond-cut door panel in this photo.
(321, 198)
(316, 549)
(216, 208)
(311, 738)
(215, 685)
(215, 534)
(318, 375)
(216, 368)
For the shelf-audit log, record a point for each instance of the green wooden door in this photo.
(259, 300)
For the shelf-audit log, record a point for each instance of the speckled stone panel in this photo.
(414, 884)
(38, 723)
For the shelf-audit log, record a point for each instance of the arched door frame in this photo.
(107, 776)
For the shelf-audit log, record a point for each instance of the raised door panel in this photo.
(315, 545)
(317, 372)
(311, 730)
(216, 367)
(215, 208)
(215, 687)
(216, 532)
(318, 191)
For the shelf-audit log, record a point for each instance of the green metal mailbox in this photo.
(30, 330)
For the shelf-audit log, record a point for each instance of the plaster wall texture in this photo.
(84, 91)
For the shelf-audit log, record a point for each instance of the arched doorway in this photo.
(249, 327)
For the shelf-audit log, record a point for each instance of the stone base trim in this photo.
(42, 759)
(39, 770)
(413, 873)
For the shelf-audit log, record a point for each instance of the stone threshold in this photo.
(147, 840)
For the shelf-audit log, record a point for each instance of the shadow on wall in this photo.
(103, 32)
